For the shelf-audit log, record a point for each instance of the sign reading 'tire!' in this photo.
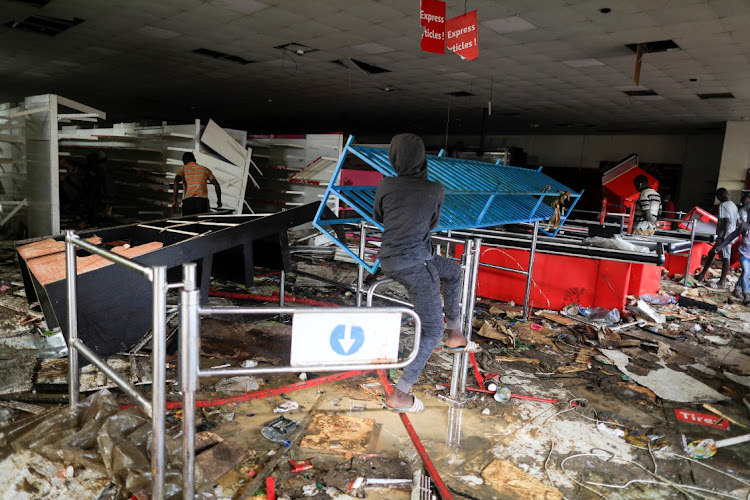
(458, 33)
(335, 338)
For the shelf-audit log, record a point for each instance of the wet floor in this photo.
(594, 441)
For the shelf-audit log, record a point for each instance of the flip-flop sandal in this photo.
(471, 346)
(416, 407)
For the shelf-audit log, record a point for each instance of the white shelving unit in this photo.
(295, 169)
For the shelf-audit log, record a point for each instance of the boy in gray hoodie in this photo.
(409, 206)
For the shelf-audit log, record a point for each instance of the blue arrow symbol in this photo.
(347, 341)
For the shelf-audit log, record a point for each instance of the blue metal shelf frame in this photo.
(477, 194)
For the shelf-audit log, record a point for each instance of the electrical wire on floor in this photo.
(662, 481)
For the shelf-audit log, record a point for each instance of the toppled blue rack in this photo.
(477, 194)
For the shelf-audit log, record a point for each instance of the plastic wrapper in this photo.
(601, 314)
(97, 435)
(658, 299)
(614, 243)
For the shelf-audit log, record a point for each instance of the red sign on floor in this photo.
(701, 418)
(432, 17)
(461, 35)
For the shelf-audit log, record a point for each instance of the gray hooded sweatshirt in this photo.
(408, 206)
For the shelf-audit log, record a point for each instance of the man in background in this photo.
(668, 209)
(728, 221)
(647, 208)
(196, 178)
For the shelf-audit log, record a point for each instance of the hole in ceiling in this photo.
(44, 25)
(369, 68)
(658, 46)
(221, 55)
(296, 48)
(460, 93)
(693, 79)
(639, 93)
(605, 10)
(390, 88)
(717, 95)
(36, 3)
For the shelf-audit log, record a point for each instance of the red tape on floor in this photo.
(440, 486)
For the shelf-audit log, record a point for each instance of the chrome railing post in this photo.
(189, 359)
(470, 301)
(361, 269)
(71, 278)
(468, 255)
(530, 272)
(159, 374)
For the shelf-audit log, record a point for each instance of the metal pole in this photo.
(114, 376)
(159, 374)
(71, 277)
(458, 357)
(529, 277)
(361, 269)
(471, 300)
(282, 288)
(189, 358)
(690, 252)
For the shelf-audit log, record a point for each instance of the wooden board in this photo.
(51, 268)
(338, 433)
(220, 459)
(557, 318)
(48, 246)
(679, 346)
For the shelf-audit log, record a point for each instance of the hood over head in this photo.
(407, 156)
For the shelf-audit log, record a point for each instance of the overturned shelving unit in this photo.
(477, 195)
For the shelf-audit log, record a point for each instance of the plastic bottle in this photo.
(600, 314)
(502, 395)
(275, 436)
(658, 299)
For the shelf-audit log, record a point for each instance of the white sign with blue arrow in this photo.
(330, 337)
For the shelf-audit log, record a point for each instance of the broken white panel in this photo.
(232, 179)
(224, 144)
(665, 382)
(317, 172)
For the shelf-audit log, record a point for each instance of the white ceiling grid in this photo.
(558, 65)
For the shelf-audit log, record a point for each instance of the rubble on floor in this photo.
(597, 407)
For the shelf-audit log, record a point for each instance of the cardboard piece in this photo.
(338, 433)
(515, 483)
(665, 382)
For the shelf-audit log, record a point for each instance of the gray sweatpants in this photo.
(422, 282)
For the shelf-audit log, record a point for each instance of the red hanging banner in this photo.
(461, 35)
(432, 17)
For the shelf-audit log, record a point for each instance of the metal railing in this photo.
(470, 266)
(156, 408)
(191, 373)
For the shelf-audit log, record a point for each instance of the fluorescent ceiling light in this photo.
(373, 48)
(583, 63)
(157, 32)
(241, 6)
(508, 25)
